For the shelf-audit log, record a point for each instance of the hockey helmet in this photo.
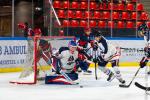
(72, 44)
(98, 34)
(143, 27)
(37, 31)
(87, 29)
(21, 25)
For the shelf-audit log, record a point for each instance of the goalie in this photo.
(65, 59)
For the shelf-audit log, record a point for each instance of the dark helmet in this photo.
(143, 27)
(98, 34)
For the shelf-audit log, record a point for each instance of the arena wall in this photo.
(13, 52)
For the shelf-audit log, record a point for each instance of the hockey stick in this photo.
(54, 12)
(95, 67)
(142, 87)
(126, 86)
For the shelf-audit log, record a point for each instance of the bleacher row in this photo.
(102, 24)
(106, 15)
(73, 13)
(96, 6)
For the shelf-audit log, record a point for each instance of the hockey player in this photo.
(108, 53)
(44, 49)
(143, 31)
(67, 58)
(83, 48)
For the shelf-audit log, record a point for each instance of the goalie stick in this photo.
(142, 87)
(126, 86)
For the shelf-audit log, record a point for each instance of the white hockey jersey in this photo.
(68, 60)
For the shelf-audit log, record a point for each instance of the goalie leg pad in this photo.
(59, 79)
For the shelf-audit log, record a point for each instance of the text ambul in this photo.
(9, 50)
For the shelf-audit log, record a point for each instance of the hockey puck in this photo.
(81, 86)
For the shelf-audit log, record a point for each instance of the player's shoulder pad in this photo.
(63, 49)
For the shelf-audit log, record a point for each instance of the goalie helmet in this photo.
(72, 44)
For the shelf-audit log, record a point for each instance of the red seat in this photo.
(115, 15)
(66, 23)
(93, 5)
(101, 24)
(130, 7)
(120, 24)
(84, 5)
(74, 23)
(92, 23)
(74, 5)
(65, 4)
(112, 6)
(78, 14)
(106, 15)
(70, 14)
(138, 24)
(57, 4)
(61, 32)
(105, 6)
(134, 15)
(61, 13)
(134, 0)
(100, 6)
(125, 16)
(111, 24)
(83, 23)
(87, 14)
(144, 16)
(140, 7)
(129, 24)
(121, 7)
(97, 15)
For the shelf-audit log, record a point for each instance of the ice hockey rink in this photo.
(92, 89)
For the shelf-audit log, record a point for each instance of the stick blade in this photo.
(141, 86)
(123, 86)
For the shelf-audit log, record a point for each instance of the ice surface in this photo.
(92, 89)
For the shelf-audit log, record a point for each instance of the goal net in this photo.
(38, 58)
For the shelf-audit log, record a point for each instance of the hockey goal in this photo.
(38, 58)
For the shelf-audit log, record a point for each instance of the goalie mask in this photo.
(72, 44)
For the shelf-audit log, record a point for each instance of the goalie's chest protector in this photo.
(68, 57)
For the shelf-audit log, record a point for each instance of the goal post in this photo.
(38, 55)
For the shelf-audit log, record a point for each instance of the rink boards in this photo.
(13, 52)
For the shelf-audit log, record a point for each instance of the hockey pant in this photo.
(102, 67)
(83, 65)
